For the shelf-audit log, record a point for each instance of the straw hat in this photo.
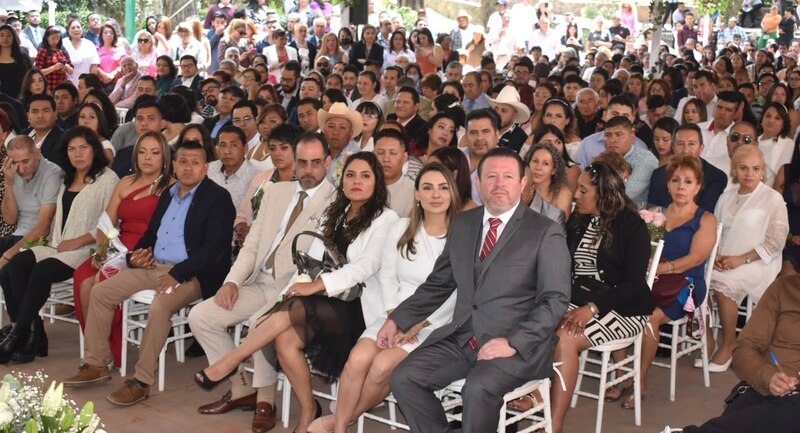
(339, 110)
(463, 13)
(510, 96)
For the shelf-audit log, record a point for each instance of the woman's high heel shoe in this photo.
(713, 367)
(207, 384)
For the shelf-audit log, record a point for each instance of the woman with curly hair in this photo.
(311, 322)
(547, 191)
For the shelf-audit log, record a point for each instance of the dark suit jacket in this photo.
(208, 231)
(519, 292)
(414, 130)
(313, 40)
(714, 183)
(195, 87)
(623, 265)
(20, 114)
(67, 123)
(359, 51)
(210, 122)
(513, 139)
(312, 53)
(52, 147)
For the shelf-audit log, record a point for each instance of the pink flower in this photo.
(659, 219)
(646, 215)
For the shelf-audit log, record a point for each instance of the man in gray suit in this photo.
(34, 31)
(511, 267)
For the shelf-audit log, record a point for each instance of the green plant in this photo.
(590, 12)
(407, 15)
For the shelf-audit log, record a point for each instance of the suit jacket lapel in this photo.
(471, 246)
(275, 217)
(508, 232)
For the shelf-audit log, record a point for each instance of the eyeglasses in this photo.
(243, 120)
(369, 116)
(746, 139)
(143, 41)
(242, 33)
(323, 64)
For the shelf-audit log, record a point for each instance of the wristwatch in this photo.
(595, 311)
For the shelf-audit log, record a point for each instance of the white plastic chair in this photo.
(630, 366)
(683, 344)
(61, 294)
(134, 321)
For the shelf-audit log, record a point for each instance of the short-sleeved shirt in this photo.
(621, 31)
(31, 195)
(82, 58)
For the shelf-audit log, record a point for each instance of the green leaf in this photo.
(86, 414)
(66, 418)
(31, 426)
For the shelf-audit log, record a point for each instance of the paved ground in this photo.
(174, 410)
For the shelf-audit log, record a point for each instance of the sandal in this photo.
(618, 391)
(526, 402)
(629, 402)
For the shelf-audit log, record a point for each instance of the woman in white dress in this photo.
(411, 250)
(776, 140)
(754, 228)
(82, 52)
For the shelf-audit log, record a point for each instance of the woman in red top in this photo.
(429, 54)
(53, 59)
(132, 204)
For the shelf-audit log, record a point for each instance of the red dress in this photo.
(134, 216)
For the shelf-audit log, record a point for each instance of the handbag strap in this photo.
(333, 252)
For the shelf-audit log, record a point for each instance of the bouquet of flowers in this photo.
(655, 221)
(26, 408)
(41, 242)
(106, 247)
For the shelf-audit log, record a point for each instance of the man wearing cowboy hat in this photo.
(463, 32)
(511, 113)
(339, 126)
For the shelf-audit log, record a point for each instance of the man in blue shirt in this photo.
(184, 254)
(594, 144)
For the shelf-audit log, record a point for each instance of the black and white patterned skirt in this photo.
(612, 327)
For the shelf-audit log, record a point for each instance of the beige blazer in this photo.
(275, 204)
(86, 209)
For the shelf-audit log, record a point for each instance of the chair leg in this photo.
(637, 383)
(393, 413)
(124, 361)
(544, 392)
(673, 360)
(287, 401)
(161, 368)
(81, 342)
(598, 426)
(581, 367)
(360, 425)
(704, 356)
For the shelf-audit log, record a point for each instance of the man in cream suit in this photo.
(262, 269)
(511, 267)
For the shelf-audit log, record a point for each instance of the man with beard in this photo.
(262, 268)
(324, 66)
(511, 112)
(210, 89)
(290, 85)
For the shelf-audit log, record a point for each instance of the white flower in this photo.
(303, 278)
(51, 403)
(5, 391)
(112, 233)
(6, 415)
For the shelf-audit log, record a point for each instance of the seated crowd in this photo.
(471, 188)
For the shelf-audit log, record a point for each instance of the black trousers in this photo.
(26, 285)
(753, 14)
(7, 242)
(754, 413)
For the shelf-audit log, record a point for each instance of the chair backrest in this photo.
(656, 257)
(710, 263)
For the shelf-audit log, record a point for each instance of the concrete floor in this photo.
(174, 410)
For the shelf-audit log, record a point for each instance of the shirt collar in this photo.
(310, 191)
(173, 190)
(504, 217)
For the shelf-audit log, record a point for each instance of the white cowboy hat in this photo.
(463, 13)
(510, 96)
(339, 110)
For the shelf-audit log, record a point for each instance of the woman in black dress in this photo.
(310, 323)
(13, 62)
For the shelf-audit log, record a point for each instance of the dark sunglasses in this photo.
(143, 41)
(746, 139)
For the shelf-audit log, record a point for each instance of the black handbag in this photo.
(587, 289)
(331, 260)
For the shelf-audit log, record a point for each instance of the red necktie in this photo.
(491, 237)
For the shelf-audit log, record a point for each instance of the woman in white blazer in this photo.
(26, 279)
(312, 324)
(279, 53)
(411, 250)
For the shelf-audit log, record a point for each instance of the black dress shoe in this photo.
(207, 384)
(195, 350)
(35, 345)
(13, 341)
(4, 331)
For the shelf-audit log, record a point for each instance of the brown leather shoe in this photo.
(133, 392)
(88, 375)
(264, 418)
(226, 404)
